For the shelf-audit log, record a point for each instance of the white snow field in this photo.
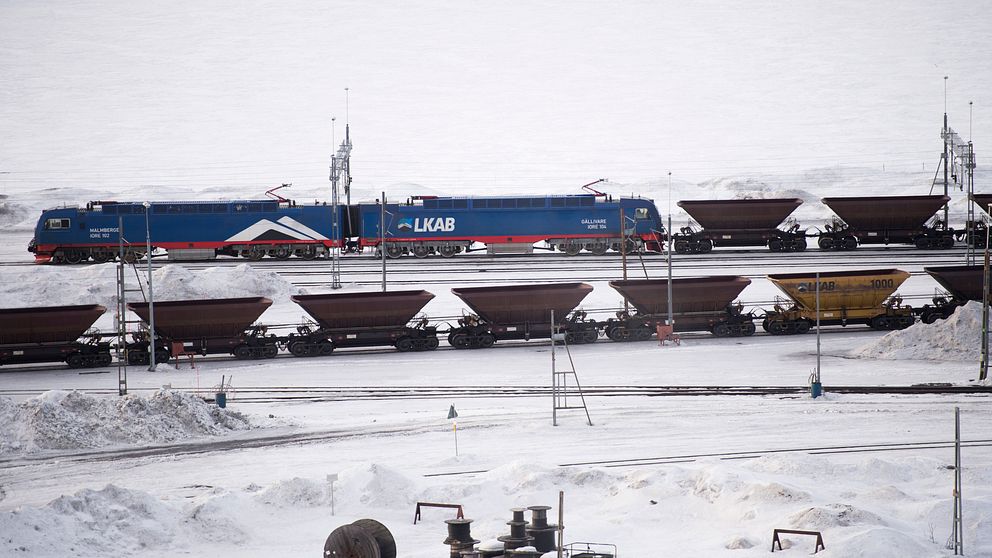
(223, 99)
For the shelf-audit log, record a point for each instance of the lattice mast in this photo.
(340, 176)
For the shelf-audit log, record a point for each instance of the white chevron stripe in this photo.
(259, 228)
(293, 223)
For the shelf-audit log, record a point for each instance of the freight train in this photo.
(445, 226)
(501, 313)
(279, 228)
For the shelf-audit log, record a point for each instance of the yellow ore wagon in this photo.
(846, 297)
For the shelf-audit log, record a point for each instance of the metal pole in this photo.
(554, 375)
(623, 251)
(817, 378)
(151, 292)
(945, 136)
(561, 522)
(670, 320)
(957, 522)
(983, 371)
(382, 238)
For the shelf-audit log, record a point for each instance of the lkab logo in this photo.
(426, 224)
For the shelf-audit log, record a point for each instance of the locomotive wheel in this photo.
(825, 242)
(486, 340)
(255, 255)
(775, 245)
(590, 336)
(281, 253)
(597, 249)
(748, 329)
(947, 242)
(904, 322)
(242, 352)
(162, 356)
(800, 245)
(270, 351)
(681, 247)
(431, 343)
(850, 243)
(103, 359)
(641, 334)
(802, 326)
(880, 322)
(572, 249)
(102, 257)
(922, 243)
(404, 344)
(137, 356)
(74, 257)
(393, 251)
(721, 330)
(930, 317)
(447, 251)
(421, 251)
(705, 246)
(459, 341)
(764, 324)
(325, 348)
(309, 254)
(75, 360)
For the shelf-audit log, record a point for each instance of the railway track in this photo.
(754, 454)
(276, 394)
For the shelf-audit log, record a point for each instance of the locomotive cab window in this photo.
(57, 224)
(640, 213)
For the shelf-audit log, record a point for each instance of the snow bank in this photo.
(55, 286)
(110, 522)
(175, 282)
(14, 216)
(61, 420)
(956, 338)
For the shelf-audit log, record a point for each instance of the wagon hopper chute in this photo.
(977, 230)
(886, 220)
(52, 334)
(962, 283)
(698, 304)
(744, 222)
(363, 320)
(219, 326)
(846, 297)
(522, 312)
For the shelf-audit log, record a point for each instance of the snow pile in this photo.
(956, 338)
(97, 284)
(14, 216)
(61, 420)
(110, 522)
(175, 282)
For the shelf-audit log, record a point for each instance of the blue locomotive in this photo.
(281, 229)
(448, 225)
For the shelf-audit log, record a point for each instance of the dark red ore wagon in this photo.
(745, 222)
(363, 320)
(698, 304)
(886, 220)
(522, 312)
(962, 282)
(220, 326)
(52, 334)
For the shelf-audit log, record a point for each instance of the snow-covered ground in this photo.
(180, 100)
